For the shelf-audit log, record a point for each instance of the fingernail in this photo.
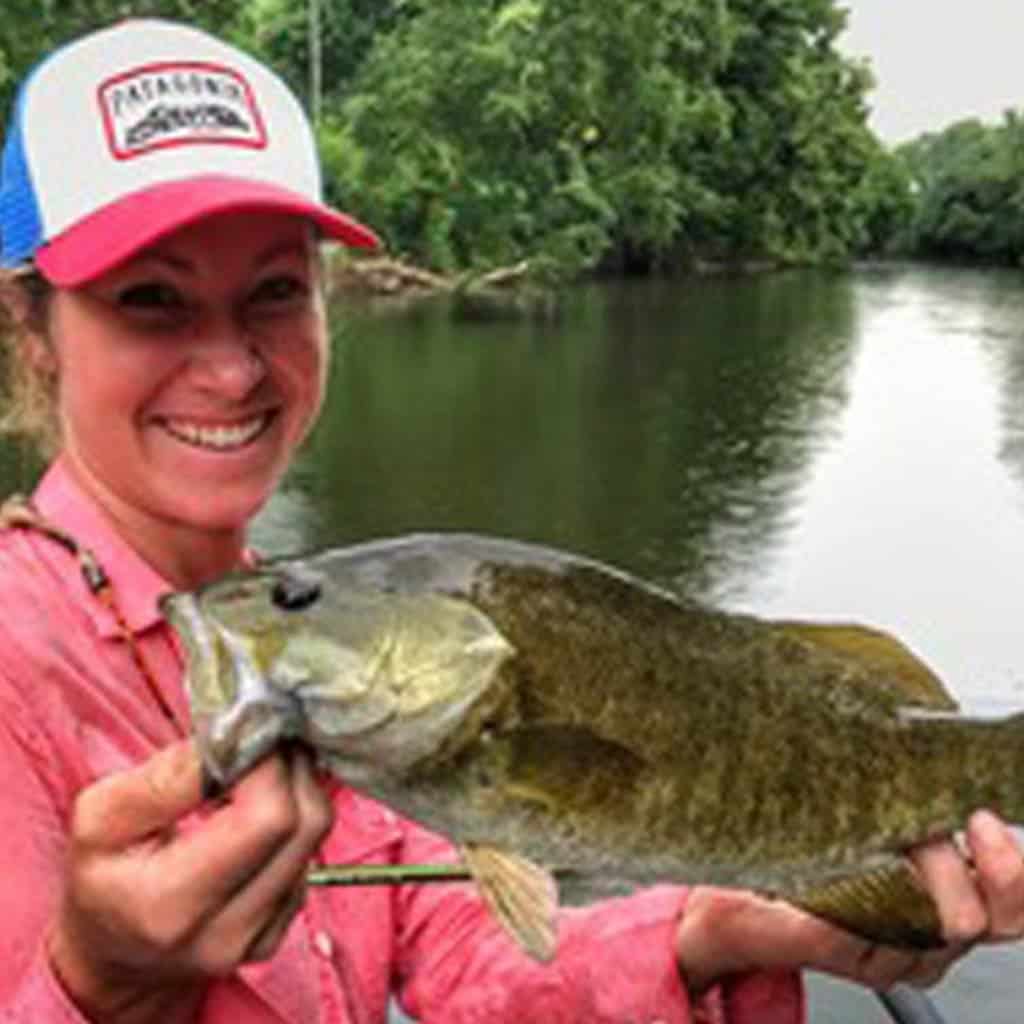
(986, 826)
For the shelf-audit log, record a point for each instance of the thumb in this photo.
(128, 806)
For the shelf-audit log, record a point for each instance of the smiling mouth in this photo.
(220, 438)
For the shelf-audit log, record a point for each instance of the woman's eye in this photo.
(151, 297)
(282, 291)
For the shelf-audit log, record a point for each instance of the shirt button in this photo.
(323, 944)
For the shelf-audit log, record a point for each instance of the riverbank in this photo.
(491, 294)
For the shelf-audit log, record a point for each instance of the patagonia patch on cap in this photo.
(179, 104)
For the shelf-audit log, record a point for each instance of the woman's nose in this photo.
(229, 363)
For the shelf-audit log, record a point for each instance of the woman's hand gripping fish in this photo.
(550, 714)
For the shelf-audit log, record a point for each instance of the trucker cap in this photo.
(127, 134)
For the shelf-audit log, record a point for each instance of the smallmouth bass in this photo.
(552, 714)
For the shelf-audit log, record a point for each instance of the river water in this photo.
(818, 445)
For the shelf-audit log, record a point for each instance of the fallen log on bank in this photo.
(503, 291)
(382, 275)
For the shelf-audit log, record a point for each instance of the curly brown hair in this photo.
(29, 388)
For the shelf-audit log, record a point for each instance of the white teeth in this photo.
(219, 438)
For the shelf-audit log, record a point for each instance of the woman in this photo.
(170, 344)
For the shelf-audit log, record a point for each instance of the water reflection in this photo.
(662, 426)
(911, 520)
(1001, 331)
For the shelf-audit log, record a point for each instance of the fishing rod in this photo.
(908, 1005)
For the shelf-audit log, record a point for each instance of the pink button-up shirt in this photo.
(74, 707)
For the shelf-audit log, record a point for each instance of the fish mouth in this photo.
(221, 437)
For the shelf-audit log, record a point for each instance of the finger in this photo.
(881, 967)
(931, 966)
(171, 896)
(252, 921)
(886, 966)
(129, 806)
(267, 940)
(948, 879)
(282, 872)
(239, 838)
(999, 866)
(185, 885)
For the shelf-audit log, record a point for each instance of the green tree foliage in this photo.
(635, 85)
(468, 156)
(885, 200)
(968, 182)
(633, 134)
(279, 30)
(798, 147)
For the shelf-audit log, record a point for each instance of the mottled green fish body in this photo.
(589, 722)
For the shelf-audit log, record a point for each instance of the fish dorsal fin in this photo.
(521, 895)
(904, 674)
(887, 905)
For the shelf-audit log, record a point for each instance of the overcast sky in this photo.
(938, 61)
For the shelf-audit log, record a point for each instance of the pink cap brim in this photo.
(117, 232)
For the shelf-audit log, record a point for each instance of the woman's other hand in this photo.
(151, 912)
(980, 898)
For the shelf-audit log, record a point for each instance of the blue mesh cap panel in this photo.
(21, 225)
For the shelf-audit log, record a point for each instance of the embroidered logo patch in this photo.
(179, 104)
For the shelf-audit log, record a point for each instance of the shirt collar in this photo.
(137, 586)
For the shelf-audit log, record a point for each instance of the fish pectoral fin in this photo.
(521, 895)
(887, 905)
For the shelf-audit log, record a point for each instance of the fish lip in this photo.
(234, 738)
(232, 742)
(257, 719)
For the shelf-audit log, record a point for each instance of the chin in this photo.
(221, 513)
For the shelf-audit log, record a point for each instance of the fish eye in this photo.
(295, 590)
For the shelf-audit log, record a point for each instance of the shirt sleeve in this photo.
(615, 963)
(31, 850)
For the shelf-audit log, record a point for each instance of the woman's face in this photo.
(188, 376)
